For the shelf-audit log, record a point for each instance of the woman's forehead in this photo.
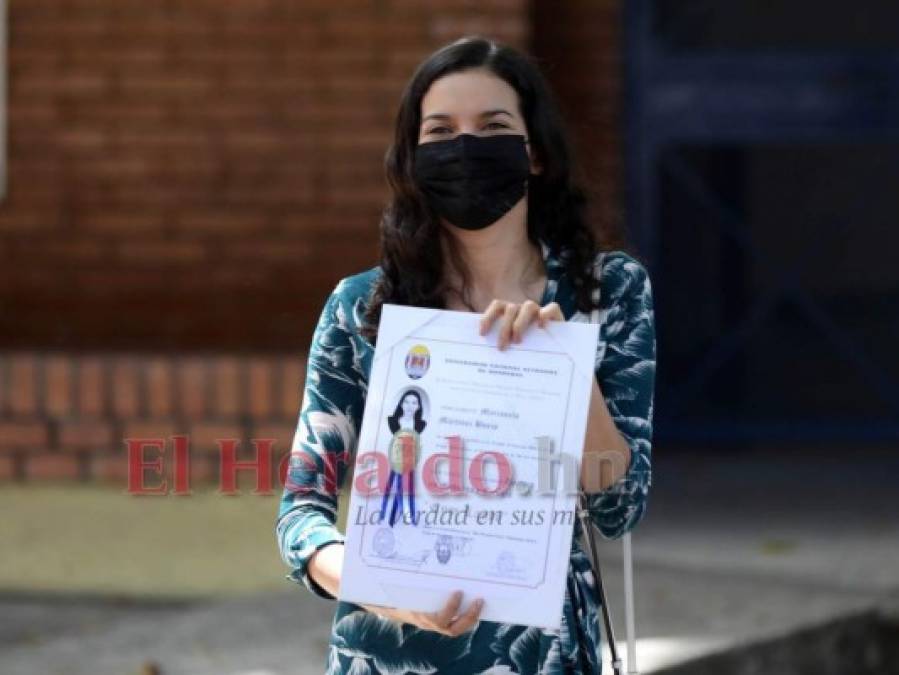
(468, 94)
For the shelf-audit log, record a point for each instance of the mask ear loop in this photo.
(531, 176)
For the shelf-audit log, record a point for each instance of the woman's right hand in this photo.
(325, 567)
(446, 621)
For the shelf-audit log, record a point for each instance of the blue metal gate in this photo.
(729, 130)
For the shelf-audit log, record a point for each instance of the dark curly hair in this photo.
(411, 253)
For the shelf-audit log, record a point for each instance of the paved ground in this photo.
(734, 549)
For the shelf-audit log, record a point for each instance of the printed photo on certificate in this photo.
(466, 472)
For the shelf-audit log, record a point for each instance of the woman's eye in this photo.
(491, 125)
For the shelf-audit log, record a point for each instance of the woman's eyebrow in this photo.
(486, 113)
(497, 111)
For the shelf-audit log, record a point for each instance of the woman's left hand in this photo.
(516, 317)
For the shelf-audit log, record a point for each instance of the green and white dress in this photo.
(329, 422)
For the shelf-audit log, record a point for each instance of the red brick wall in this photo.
(578, 43)
(187, 181)
(198, 173)
(65, 416)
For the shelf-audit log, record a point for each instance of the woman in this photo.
(406, 423)
(485, 217)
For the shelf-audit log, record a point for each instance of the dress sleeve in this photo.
(626, 376)
(324, 442)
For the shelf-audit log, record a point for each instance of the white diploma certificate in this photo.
(467, 468)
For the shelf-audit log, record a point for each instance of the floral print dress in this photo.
(339, 363)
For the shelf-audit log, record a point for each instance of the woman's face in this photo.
(473, 101)
(410, 405)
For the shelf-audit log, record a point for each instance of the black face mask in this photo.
(470, 180)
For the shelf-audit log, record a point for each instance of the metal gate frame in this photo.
(740, 98)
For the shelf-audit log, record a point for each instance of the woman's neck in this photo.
(501, 261)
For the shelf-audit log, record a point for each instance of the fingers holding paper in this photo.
(447, 621)
(515, 318)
